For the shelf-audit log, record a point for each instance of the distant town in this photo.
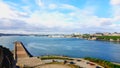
(106, 36)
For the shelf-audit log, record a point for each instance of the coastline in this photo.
(22, 57)
(20, 36)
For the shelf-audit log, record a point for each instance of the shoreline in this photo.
(75, 58)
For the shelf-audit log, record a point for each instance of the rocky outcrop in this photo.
(6, 58)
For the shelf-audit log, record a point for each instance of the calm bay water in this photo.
(65, 46)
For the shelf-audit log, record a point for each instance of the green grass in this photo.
(53, 57)
(103, 63)
(107, 38)
(58, 57)
(86, 35)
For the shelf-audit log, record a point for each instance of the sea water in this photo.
(71, 47)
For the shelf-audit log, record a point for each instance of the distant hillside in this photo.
(2, 34)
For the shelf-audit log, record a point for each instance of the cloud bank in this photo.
(50, 16)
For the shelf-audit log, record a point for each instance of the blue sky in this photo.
(59, 16)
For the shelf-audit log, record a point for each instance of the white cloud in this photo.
(6, 12)
(45, 20)
(115, 10)
(76, 21)
(50, 20)
(67, 6)
(117, 18)
(115, 2)
(9, 12)
(52, 6)
(40, 3)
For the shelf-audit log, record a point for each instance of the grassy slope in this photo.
(54, 57)
(108, 37)
(103, 63)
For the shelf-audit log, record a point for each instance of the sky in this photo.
(59, 16)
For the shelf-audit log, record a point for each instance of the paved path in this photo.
(76, 61)
(85, 63)
(54, 66)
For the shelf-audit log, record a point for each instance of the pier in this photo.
(23, 57)
(20, 51)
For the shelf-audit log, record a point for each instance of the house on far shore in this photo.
(107, 34)
(98, 34)
(115, 34)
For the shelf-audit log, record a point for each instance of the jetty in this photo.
(20, 51)
(23, 57)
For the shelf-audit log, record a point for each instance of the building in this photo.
(98, 34)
